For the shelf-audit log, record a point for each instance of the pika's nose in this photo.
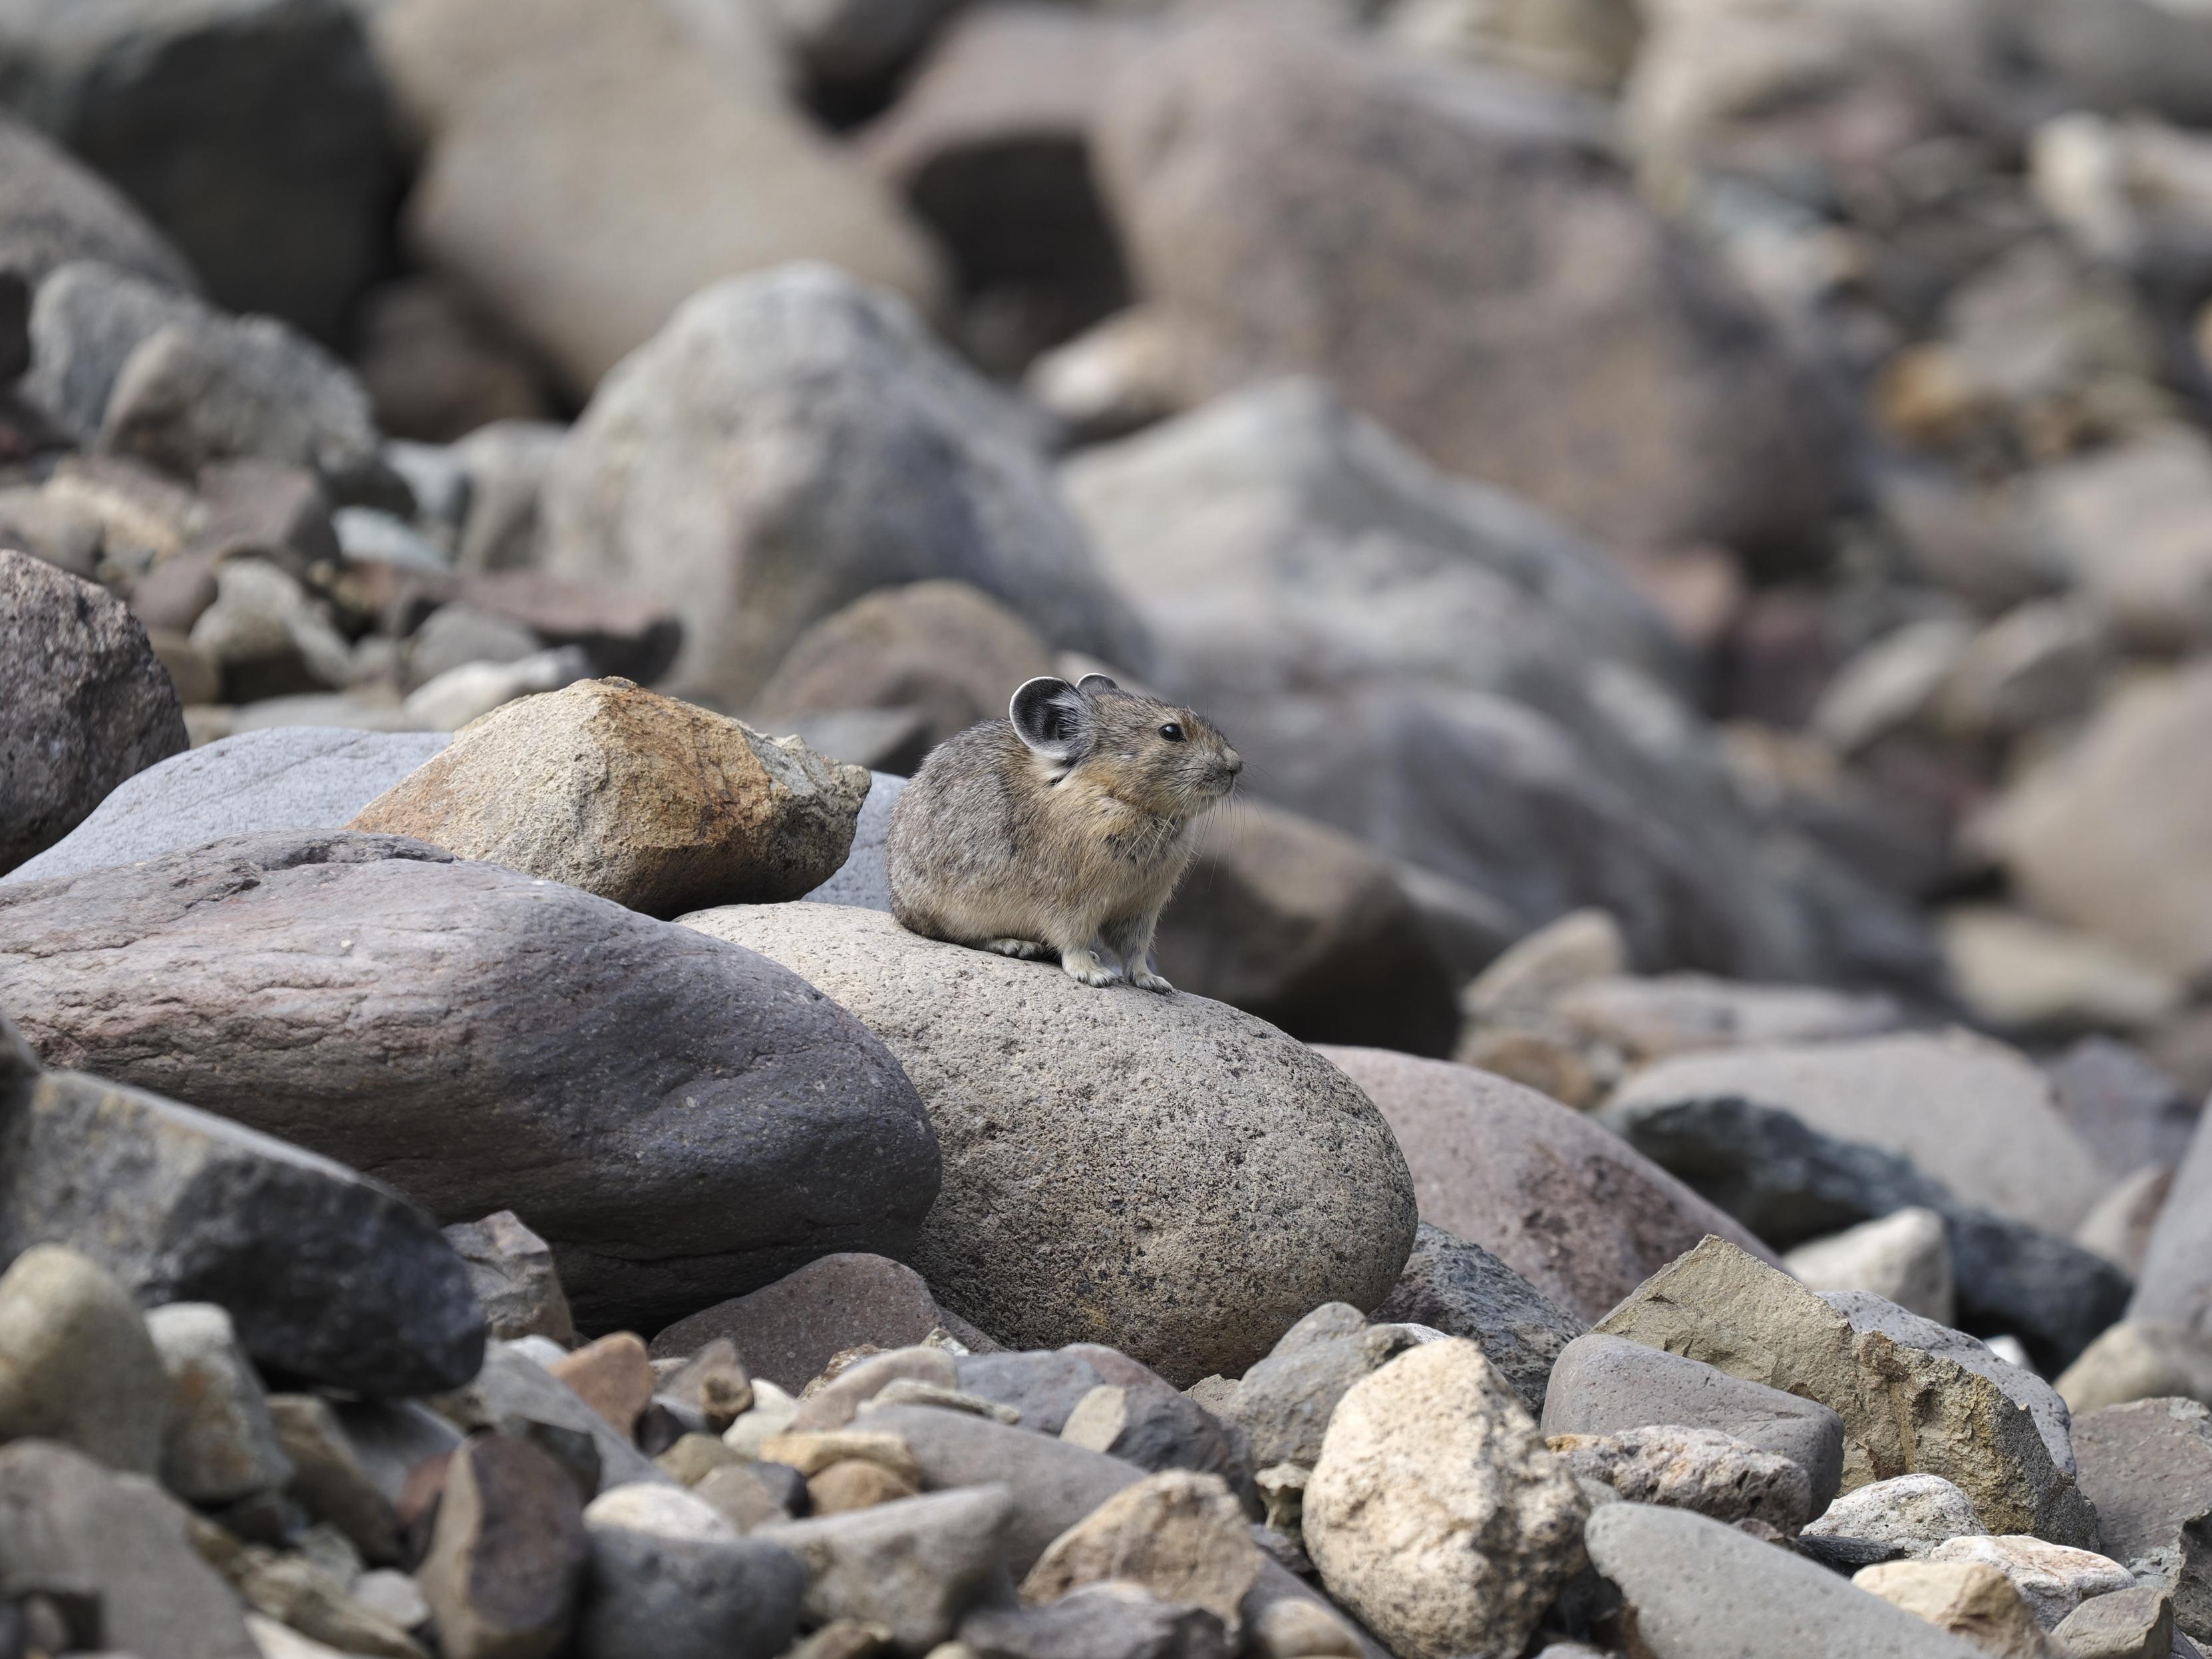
(1232, 763)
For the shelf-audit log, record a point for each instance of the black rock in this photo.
(1462, 1290)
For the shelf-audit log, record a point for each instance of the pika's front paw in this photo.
(1087, 966)
(1028, 950)
(1146, 980)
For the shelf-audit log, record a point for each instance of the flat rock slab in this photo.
(2148, 1467)
(325, 1275)
(482, 1041)
(1579, 1215)
(1703, 1590)
(1163, 1175)
(1973, 1113)
(292, 777)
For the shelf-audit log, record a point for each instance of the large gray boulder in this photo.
(481, 1041)
(88, 702)
(1464, 257)
(290, 777)
(1569, 1207)
(255, 132)
(791, 441)
(1973, 1113)
(1165, 1176)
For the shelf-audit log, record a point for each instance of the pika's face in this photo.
(1153, 756)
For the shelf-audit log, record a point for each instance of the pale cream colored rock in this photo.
(1904, 1256)
(2053, 1579)
(1699, 1469)
(1436, 1514)
(77, 1364)
(1179, 1536)
(810, 1454)
(1583, 945)
(1915, 1512)
(1976, 1603)
(2138, 1359)
(2018, 971)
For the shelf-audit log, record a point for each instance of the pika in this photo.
(1060, 830)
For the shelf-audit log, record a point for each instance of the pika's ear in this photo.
(1091, 684)
(1049, 716)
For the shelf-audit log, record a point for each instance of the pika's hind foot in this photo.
(1087, 966)
(1146, 980)
(1028, 950)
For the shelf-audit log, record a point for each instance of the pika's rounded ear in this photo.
(1091, 684)
(1049, 716)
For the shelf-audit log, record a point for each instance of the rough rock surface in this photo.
(1966, 1599)
(1182, 1253)
(1282, 1404)
(653, 803)
(1906, 1409)
(2052, 1578)
(89, 703)
(1462, 1290)
(1181, 1536)
(2148, 1467)
(862, 455)
(1435, 1513)
(1558, 1200)
(1915, 1512)
(1971, 1113)
(1496, 371)
(1606, 1385)
(1700, 1469)
(511, 1270)
(292, 777)
(1701, 1589)
(914, 1566)
(324, 1274)
(758, 1125)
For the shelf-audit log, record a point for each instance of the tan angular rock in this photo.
(1905, 1410)
(1436, 1514)
(1699, 1469)
(2139, 1359)
(1970, 1601)
(1181, 1536)
(2052, 1578)
(612, 1376)
(811, 1453)
(856, 1484)
(655, 804)
(509, 1552)
(2129, 1624)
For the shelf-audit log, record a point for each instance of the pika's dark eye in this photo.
(1171, 732)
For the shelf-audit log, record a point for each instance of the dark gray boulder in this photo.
(88, 702)
(1462, 1290)
(482, 1041)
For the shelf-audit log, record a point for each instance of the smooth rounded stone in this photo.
(1906, 1408)
(265, 636)
(1971, 1113)
(2138, 1359)
(1648, 1018)
(1915, 1512)
(1903, 1257)
(612, 1376)
(1966, 1599)
(1099, 1621)
(1703, 1590)
(1192, 152)
(891, 463)
(1220, 1158)
(2021, 973)
(788, 1331)
(57, 210)
(77, 1366)
(2076, 832)
(459, 633)
(1560, 1201)
(1699, 1469)
(69, 1523)
(670, 1573)
(507, 1554)
(89, 703)
(511, 1273)
(1606, 1385)
(288, 777)
(2148, 1467)
(330, 1479)
(2175, 1285)
(914, 1566)
(1283, 1404)
(672, 161)
(324, 1274)
(221, 1442)
(1789, 1182)
(1159, 1428)
(1180, 1536)
(1044, 1388)
(655, 804)
(756, 1124)
(278, 98)
(1435, 1513)
(1462, 1290)
(2129, 1624)
(2052, 1578)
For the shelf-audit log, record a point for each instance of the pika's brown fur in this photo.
(1060, 830)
